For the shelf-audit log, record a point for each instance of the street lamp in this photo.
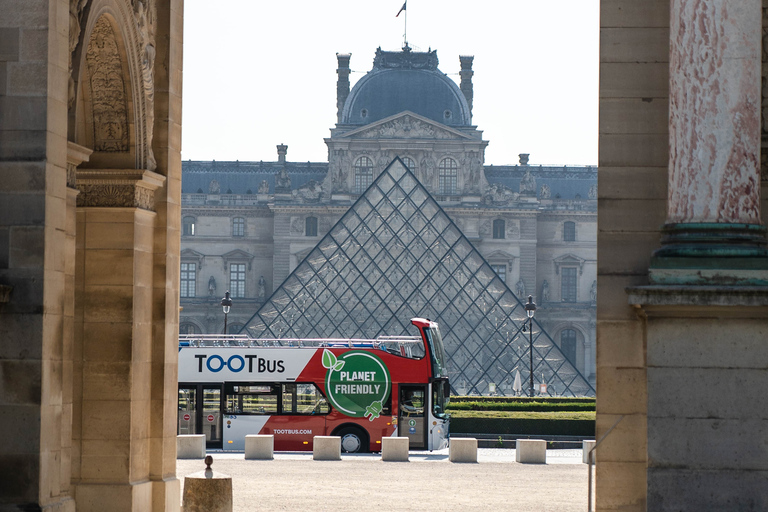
(226, 303)
(530, 310)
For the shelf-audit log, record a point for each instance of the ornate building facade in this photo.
(247, 225)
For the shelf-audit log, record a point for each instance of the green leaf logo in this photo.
(357, 383)
(329, 360)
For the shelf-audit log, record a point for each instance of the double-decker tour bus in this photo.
(361, 390)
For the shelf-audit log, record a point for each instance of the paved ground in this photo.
(429, 482)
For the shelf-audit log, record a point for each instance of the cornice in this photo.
(118, 188)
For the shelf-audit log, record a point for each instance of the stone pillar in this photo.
(713, 207)
(342, 83)
(706, 312)
(115, 303)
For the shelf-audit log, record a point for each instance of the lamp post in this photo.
(226, 303)
(530, 310)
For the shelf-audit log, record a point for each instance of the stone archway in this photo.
(93, 308)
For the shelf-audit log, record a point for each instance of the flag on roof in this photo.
(401, 9)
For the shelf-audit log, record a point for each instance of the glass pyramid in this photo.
(395, 255)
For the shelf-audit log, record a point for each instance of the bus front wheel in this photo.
(353, 440)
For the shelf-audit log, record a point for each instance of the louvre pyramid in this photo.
(395, 255)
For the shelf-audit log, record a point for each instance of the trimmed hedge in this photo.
(501, 426)
(523, 399)
(536, 406)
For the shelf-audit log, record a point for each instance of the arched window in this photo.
(188, 226)
(409, 163)
(363, 174)
(311, 226)
(499, 227)
(188, 328)
(447, 175)
(568, 344)
(569, 231)
(234, 328)
(238, 226)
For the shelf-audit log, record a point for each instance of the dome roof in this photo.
(402, 81)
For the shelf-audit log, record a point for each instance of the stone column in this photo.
(713, 208)
(115, 310)
(705, 314)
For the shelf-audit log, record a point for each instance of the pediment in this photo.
(499, 255)
(406, 125)
(237, 254)
(568, 260)
(190, 254)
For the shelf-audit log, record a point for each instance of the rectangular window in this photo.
(238, 226)
(501, 271)
(188, 280)
(569, 231)
(568, 284)
(237, 279)
(311, 226)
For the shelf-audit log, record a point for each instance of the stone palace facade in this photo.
(247, 225)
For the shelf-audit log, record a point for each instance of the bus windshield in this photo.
(436, 351)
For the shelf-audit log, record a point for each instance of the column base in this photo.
(711, 254)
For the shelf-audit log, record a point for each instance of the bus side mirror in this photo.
(447, 391)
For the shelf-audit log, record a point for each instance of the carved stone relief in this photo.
(107, 88)
(118, 188)
(297, 226)
(310, 192)
(146, 23)
(545, 193)
(499, 194)
(406, 127)
(76, 8)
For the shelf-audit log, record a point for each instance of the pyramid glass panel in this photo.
(396, 254)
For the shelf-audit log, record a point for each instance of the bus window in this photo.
(440, 395)
(308, 399)
(252, 399)
(289, 398)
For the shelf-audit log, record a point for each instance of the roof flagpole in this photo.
(405, 21)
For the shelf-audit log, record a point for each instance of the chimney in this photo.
(282, 150)
(524, 158)
(466, 79)
(342, 84)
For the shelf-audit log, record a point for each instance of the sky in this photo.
(258, 73)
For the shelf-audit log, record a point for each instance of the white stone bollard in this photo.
(586, 446)
(531, 451)
(394, 449)
(326, 448)
(462, 449)
(260, 447)
(190, 446)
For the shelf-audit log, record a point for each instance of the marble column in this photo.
(713, 208)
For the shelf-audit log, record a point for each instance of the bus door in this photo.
(200, 412)
(411, 420)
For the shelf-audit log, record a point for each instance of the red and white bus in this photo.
(361, 390)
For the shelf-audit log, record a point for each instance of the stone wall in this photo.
(634, 56)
